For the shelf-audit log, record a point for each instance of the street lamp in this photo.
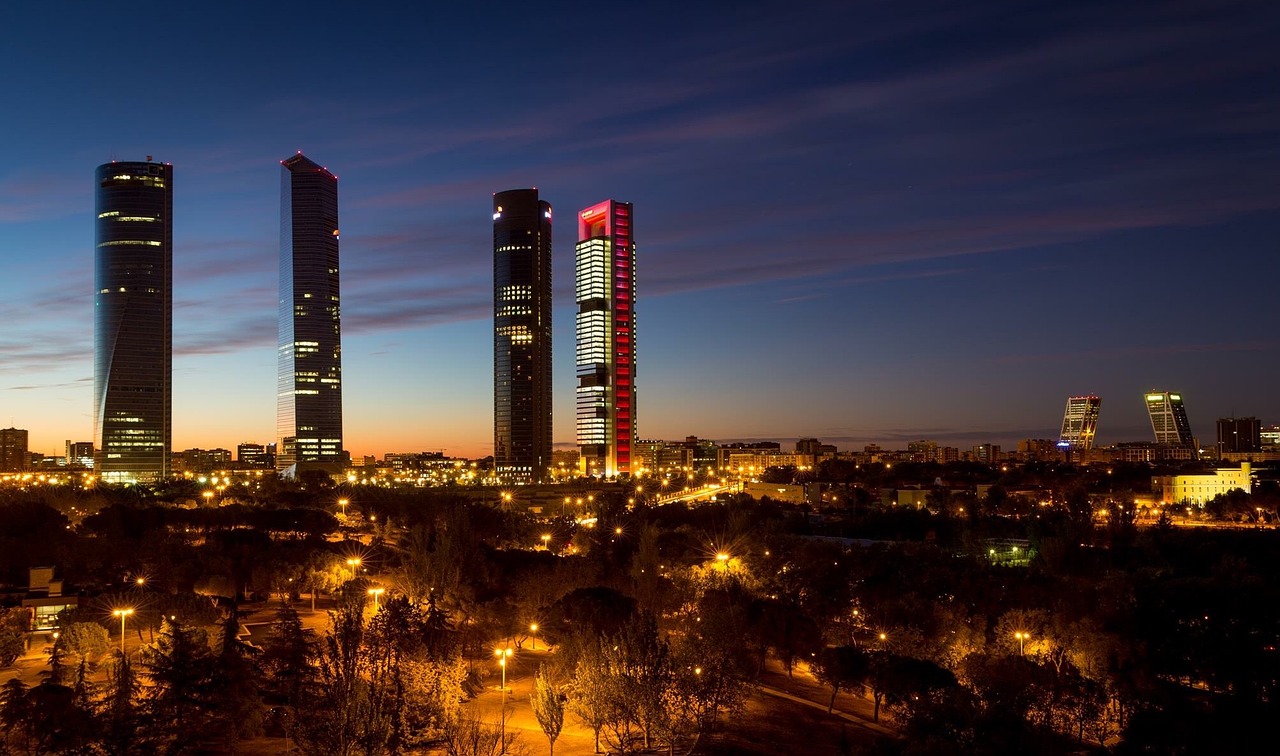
(1022, 638)
(122, 614)
(503, 654)
(343, 504)
(208, 497)
(534, 630)
(376, 592)
(546, 541)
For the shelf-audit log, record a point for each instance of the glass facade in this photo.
(1080, 421)
(604, 283)
(309, 361)
(521, 336)
(133, 321)
(1169, 419)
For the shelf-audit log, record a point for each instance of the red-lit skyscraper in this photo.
(606, 358)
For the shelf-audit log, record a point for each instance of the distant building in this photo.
(922, 451)
(1169, 419)
(1199, 489)
(133, 321)
(201, 461)
(1080, 422)
(13, 450)
(987, 454)
(647, 453)
(606, 323)
(521, 336)
(1270, 437)
(1036, 449)
(309, 320)
(79, 454)
(254, 456)
(1239, 435)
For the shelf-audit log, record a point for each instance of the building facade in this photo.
(309, 358)
(1080, 422)
(13, 450)
(1200, 489)
(1239, 435)
(606, 359)
(1169, 419)
(133, 321)
(521, 336)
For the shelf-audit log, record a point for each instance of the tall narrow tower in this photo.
(1169, 419)
(309, 360)
(606, 358)
(521, 336)
(133, 321)
(1080, 422)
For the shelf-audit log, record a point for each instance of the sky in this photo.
(869, 222)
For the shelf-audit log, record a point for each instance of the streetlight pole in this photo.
(122, 614)
(1022, 638)
(376, 592)
(503, 654)
(534, 630)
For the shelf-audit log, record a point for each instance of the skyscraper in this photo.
(133, 321)
(309, 360)
(521, 336)
(1080, 422)
(1169, 419)
(606, 359)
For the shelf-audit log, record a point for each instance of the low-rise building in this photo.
(1199, 489)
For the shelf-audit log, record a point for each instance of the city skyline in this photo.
(878, 229)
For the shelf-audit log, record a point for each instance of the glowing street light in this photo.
(1022, 638)
(208, 497)
(376, 592)
(546, 541)
(343, 504)
(123, 614)
(503, 654)
(533, 628)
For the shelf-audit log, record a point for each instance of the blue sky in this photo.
(869, 221)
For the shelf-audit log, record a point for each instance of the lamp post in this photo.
(534, 630)
(122, 614)
(546, 541)
(343, 504)
(503, 654)
(1022, 638)
(376, 592)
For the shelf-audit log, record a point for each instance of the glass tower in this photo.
(1080, 422)
(309, 377)
(1169, 419)
(606, 359)
(133, 321)
(521, 336)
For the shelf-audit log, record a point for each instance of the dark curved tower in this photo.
(309, 360)
(133, 321)
(521, 336)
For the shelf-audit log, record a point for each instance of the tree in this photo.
(85, 641)
(840, 667)
(118, 715)
(592, 686)
(180, 667)
(286, 657)
(235, 685)
(548, 708)
(14, 624)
